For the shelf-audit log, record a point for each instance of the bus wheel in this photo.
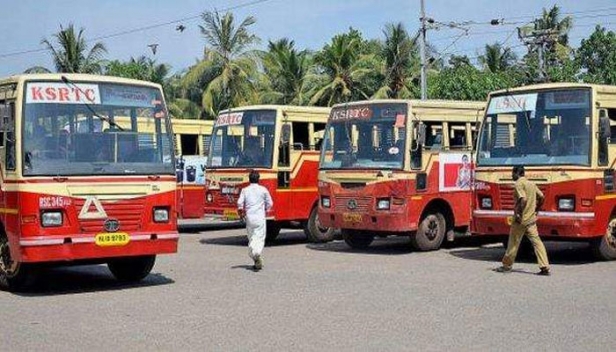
(14, 276)
(430, 233)
(272, 230)
(357, 240)
(316, 233)
(604, 248)
(132, 269)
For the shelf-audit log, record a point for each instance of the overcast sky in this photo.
(310, 23)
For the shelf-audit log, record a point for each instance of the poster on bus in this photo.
(455, 172)
(192, 170)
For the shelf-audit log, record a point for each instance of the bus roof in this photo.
(75, 77)
(431, 103)
(289, 108)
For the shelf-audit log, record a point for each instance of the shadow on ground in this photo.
(84, 279)
(286, 238)
(559, 253)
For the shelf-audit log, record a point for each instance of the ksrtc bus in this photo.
(87, 175)
(282, 143)
(565, 136)
(398, 167)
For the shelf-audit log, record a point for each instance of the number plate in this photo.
(230, 214)
(107, 239)
(351, 217)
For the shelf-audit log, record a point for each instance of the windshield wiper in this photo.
(94, 113)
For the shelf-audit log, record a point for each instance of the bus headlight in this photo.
(486, 203)
(51, 219)
(161, 215)
(209, 197)
(325, 202)
(566, 203)
(382, 204)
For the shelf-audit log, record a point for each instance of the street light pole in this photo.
(422, 52)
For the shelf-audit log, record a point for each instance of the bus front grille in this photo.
(351, 203)
(129, 212)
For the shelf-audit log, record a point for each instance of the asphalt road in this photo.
(323, 297)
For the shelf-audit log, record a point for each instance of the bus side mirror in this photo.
(285, 135)
(604, 124)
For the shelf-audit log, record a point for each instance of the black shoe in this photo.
(503, 269)
(544, 272)
(258, 263)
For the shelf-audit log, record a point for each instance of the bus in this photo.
(282, 143)
(398, 167)
(87, 175)
(565, 136)
(192, 141)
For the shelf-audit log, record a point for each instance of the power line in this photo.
(140, 29)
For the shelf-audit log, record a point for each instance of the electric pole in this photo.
(538, 38)
(422, 52)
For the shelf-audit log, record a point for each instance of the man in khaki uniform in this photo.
(528, 200)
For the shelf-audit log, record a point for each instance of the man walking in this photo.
(528, 201)
(252, 205)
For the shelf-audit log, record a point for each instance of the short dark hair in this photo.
(518, 170)
(254, 176)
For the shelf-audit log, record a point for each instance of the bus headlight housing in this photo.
(486, 203)
(382, 204)
(566, 204)
(209, 198)
(161, 215)
(51, 218)
(325, 202)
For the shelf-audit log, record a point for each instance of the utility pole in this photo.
(422, 52)
(538, 38)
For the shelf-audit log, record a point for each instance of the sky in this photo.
(311, 24)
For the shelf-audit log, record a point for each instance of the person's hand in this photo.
(517, 219)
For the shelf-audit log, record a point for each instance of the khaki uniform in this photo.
(527, 225)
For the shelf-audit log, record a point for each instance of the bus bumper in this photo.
(552, 225)
(56, 248)
(377, 221)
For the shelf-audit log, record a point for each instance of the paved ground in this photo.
(320, 297)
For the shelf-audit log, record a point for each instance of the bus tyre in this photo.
(132, 269)
(604, 248)
(14, 276)
(316, 233)
(357, 239)
(430, 234)
(272, 230)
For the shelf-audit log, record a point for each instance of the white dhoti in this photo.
(256, 238)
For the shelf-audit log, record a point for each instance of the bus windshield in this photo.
(95, 129)
(550, 127)
(365, 137)
(242, 139)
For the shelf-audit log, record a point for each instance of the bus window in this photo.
(189, 144)
(301, 139)
(434, 136)
(611, 113)
(457, 136)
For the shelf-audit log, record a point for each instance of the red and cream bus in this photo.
(87, 175)
(282, 143)
(565, 136)
(398, 167)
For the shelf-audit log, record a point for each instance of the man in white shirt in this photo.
(252, 205)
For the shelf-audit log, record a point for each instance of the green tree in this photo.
(496, 58)
(228, 70)
(71, 54)
(286, 70)
(142, 68)
(597, 57)
(341, 66)
(466, 82)
(400, 60)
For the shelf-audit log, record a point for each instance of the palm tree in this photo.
(286, 70)
(496, 58)
(71, 54)
(228, 69)
(550, 20)
(399, 54)
(341, 67)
